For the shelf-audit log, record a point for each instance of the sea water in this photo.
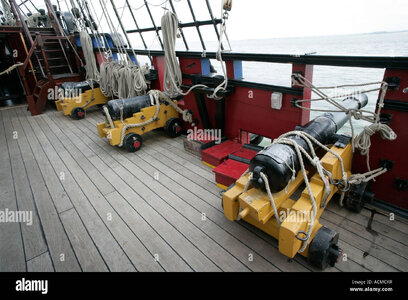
(373, 44)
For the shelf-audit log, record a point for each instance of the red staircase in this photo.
(51, 60)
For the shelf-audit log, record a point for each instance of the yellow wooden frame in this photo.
(254, 206)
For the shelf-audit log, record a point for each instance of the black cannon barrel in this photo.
(129, 106)
(277, 160)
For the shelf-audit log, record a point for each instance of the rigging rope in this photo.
(172, 73)
(92, 72)
(173, 76)
(363, 140)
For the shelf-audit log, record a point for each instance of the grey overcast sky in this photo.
(261, 19)
(295, 18)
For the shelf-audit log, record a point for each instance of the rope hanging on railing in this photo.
(173, 76)
(363, 140)
(172, 72)
(91, 68)
(122, 78)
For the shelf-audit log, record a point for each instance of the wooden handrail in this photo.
(30, 53)
(36, 43)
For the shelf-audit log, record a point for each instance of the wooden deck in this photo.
(99, 208)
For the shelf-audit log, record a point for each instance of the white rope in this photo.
(268, 190)
(366, 177)
(173, 75)
(155, 98)
(9, 70)
(315, 161)
(121, 79)
(92, 72)
(362, 141)
(223, 32)
(108, 117)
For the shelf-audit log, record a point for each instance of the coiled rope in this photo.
(91, 68)
(173, 75)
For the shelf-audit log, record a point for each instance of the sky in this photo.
(297, 18)
(263, 19)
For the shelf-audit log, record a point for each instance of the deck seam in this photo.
(74, 145)
(142, 170)
(14, 187)
(52, 199)
(154, 209)
(87, 197)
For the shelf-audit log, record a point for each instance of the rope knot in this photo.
(355, 113)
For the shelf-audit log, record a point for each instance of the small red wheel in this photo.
(133, 142)
(174, 127)
(78, 113)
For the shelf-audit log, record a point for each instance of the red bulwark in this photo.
(216, 155)
(386, 187)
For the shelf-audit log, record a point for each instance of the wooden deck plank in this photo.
(378, 239)
(369, 262)
(201, 241)
(60, 198)
(387, 229)
(368, 247)
(160, 150)
(205, 172)
(135, 169)
(131, 245)
(105, 242)
(163, 253)
(374, 261)
(59, 246)
(159, 215)
(183, 168)
(41, 263)
(171, 236)
(33, 236)
(88, 256)
(167, 194)
(202, 176)
(12, 257)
